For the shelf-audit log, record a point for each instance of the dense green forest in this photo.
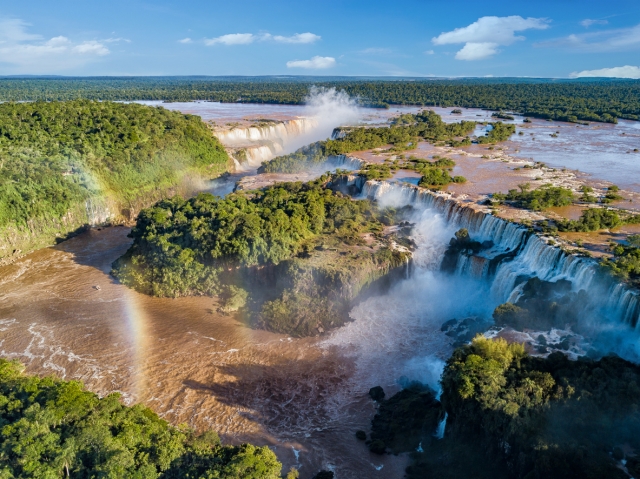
(52, 428)
(625, 263)
(290, 255)
(560, 418)
(512, 415)
(559, 100)
(61, 160)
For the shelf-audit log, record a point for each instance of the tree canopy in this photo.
(52, 428)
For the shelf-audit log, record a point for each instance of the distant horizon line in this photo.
(325, 77)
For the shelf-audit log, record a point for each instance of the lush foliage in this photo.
(594, 219)
(180, 246)
(625, 263)
(52, 428)
(499, 132)
(543, 417)
(55, 156)
(291, 257)
(575, 100)
(544, 197)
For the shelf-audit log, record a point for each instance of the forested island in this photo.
(292, 257)
(563, 100)
(67, 164)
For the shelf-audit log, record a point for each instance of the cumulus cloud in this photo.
(483, 37)
(246, 38)
(626, 71)
(617, 39)
(26, 52)
(231, 39)
(307, 37)
(587, 22)
(185, 40)
(316, 63)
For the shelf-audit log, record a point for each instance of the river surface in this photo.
(61, 313)
(604, 151)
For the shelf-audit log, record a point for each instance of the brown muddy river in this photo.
(61, 313)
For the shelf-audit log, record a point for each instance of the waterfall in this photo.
(279, 132)
(439, 434)
(513, 254)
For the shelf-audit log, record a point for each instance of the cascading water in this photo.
(278, 132)
(517, 254)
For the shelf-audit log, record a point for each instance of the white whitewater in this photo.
(532, 256)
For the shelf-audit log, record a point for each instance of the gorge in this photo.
(194, 359)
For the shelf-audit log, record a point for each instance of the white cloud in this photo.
(231, 39)
(307, 37)
(587, 22)
(247, 38)
(429, 52)
(482, 37)
(185, 40)
(477, 51)
(93, 48)
(315, 63)
(626, 71)
(603, 41)
(24, 52)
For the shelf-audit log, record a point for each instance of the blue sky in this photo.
(402, 38)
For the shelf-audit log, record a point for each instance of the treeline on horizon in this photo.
(602, 101)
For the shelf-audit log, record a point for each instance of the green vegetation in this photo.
(544, 197)
(303, 159)
(625, 263)
(575, 100)
(307, 236)
(62, 164)
(404, 134)
(551, 418)
(499, 132)
(503, 116)
(594, 219)
(405, 420)
(53, 428)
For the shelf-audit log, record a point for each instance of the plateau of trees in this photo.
(539, 199)
(180, 247)
(56, 156)
(559, 417)
(625, 263)
(512, 415)
(290, 258)
(576, 100)
(52, 428)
